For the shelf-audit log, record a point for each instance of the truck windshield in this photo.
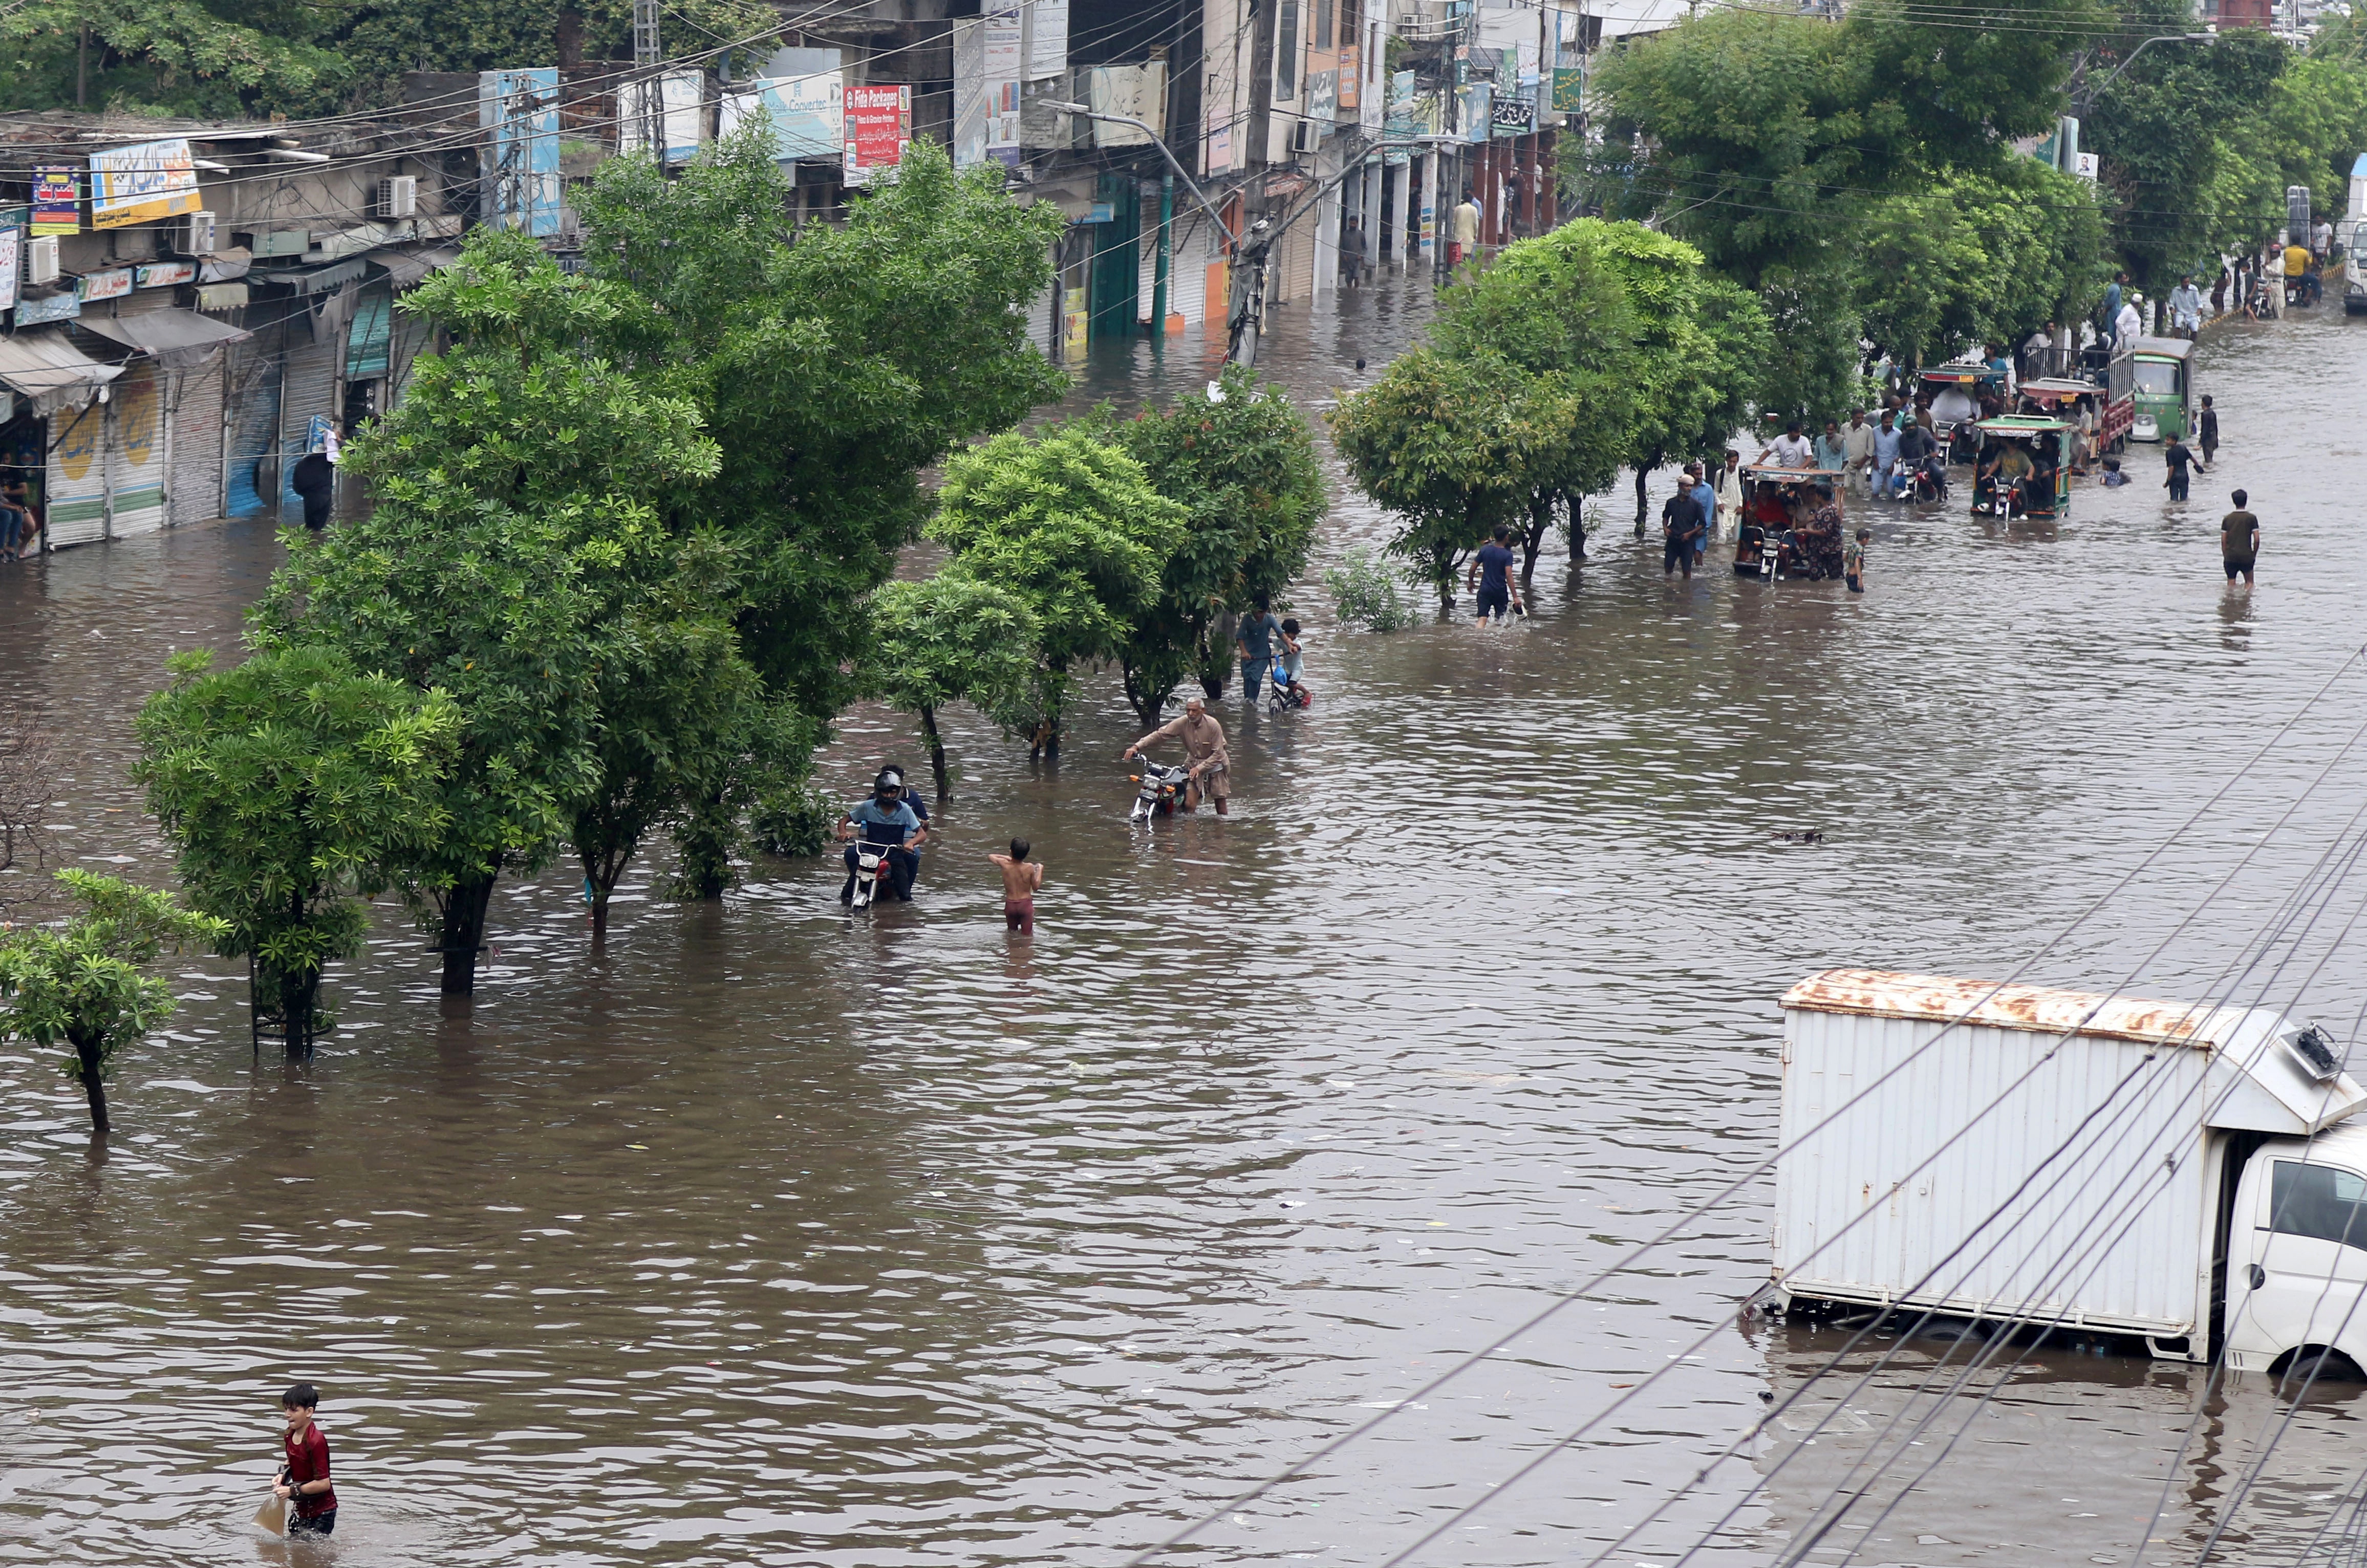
(2319, 1200)
(2158, 375)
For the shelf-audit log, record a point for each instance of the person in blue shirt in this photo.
(1706, 498)
(914, 798)
(1490, 573)
(1886, 457)
(884, 818)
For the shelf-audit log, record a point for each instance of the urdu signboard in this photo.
(145, 183)
(879, 129)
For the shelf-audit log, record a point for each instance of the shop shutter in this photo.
(1295, 278)
(369, 338)
(135, 451)
(250, 376)
(413, 337)
(193, 491)
(77, 477)
(308, 401)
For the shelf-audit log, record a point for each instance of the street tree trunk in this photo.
(94, 1087)
(1534, 539)
(936, 751)
(1642, 500)
(464, 933)
(1576, 526)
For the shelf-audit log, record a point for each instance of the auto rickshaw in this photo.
(2165, 389)
(2024, 468)
(1794, 524)
(2101, 422)
(1962, 392)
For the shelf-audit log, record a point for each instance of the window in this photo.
(2319, 1200)
(1286, 50)
(1323, 23)
(2156, 376)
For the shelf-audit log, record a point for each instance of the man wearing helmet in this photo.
(884, 818)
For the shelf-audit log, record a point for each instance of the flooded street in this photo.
(768, 1236)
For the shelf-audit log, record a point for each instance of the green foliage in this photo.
(1070, 525)
(829, 372)
(84, 986)
(1976, 259)
(1243, 467)
(1365, 594)
(1442, 441)
(795, 821)
(950, 638)
(287, 786)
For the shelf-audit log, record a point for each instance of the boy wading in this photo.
(305, 1481)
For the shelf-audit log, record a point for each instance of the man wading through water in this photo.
(1204, 747)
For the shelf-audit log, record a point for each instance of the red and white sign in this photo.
(113, 285)
(879, 129)
(156, 274)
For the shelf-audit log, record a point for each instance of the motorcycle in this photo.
(1930, 482)
(1770, 556)
(870, 860)
(1284, 693)
(1161, 792)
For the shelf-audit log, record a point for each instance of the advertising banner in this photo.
(157, 274)
(879, 129)
(519, 161)
(1048, 38)
(12, 253)
(1398, 128)
(1003, 58)
(808, 114)
(57, 201)
(682, 109)
(143, 182)
(62, 306)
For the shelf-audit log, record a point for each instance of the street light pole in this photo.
(2088, 94)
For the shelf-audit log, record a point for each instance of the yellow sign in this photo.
(1073, 317)
(141, 182)
(79, 447)
(135, 417)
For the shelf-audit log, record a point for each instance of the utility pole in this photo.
(647, 56)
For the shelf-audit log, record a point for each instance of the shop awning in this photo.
(174, 339)
(313, 280)
(408, 267)
(50, 372)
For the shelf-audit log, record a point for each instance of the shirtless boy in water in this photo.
(1021, 878)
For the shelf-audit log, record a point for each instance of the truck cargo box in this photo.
(2089, 1195)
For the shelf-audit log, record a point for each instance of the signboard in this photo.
(222, 296)
(1322, 87)
(12, 253)
(879, 129)
(1073, 318)
(1048, 38)
(1220, 143)
(1003, 58)
(1397, 127)
(518, 162)
(57, 201)
(158, 274)
(1472, 111)
(1511, 116)
(113, 283)
(1139, 92)
(681, 109)
(59, 306)
(809, 113)
(1352, 76)
(2089, 168)
(145, 183)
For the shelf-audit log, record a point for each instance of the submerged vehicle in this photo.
(2185, 1176)
(2024, 468)
(1162, 790)
(1793, 521)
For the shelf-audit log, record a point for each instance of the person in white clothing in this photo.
(1730, 496)
(2129, 325)
(1791, 449)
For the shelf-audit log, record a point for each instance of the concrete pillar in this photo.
(1326, 218)
(1373, 215)
(1409, 220)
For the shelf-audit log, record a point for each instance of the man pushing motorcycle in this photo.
(1204, 747)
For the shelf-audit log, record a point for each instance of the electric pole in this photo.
(647, 56)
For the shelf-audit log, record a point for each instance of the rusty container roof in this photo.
(1943, 998)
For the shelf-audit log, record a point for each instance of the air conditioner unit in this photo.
(1306, 136)
(197, 235)
(41, 260)
(398, 197)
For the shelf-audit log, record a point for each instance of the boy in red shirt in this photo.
(305, 1480)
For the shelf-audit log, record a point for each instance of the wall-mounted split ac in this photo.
(41, 260)
(398, 197)
(197, 234)
(1306, 136)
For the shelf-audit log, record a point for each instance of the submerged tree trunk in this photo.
(93, 1085)
(1643, 501)
(1576, 526)
(299, 997)
(936, 751)
(1540, 520)
(464, 933)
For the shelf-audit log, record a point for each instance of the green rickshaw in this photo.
(2024, 467)
(2165, 389)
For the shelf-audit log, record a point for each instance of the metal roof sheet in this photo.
(173, 338)
(1942, 999)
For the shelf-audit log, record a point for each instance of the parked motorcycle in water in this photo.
(1161, 792)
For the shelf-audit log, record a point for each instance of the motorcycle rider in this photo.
(1204, 745)
(914, 798)
(884, 818)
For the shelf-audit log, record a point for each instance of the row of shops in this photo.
(155, 410)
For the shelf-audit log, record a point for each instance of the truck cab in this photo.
(2297, 1254)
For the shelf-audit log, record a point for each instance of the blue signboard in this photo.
(519, 157)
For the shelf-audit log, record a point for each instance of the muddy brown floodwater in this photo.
(768, 1236)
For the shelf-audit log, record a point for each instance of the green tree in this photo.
(1443, 441)
(84, 985)
(1070, 525)
(831, 371)
(208, 58)
(951, 638)
(288, 786)
(1978, 260)
(1242, 465)
(515, 527)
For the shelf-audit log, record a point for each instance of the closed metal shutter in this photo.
(193, 490)
(251, 377)
(368, 340)
(308, 401)
(1295, 278)
(77, 477)
(135, 451)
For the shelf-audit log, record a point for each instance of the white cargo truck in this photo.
(2178, 1174)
